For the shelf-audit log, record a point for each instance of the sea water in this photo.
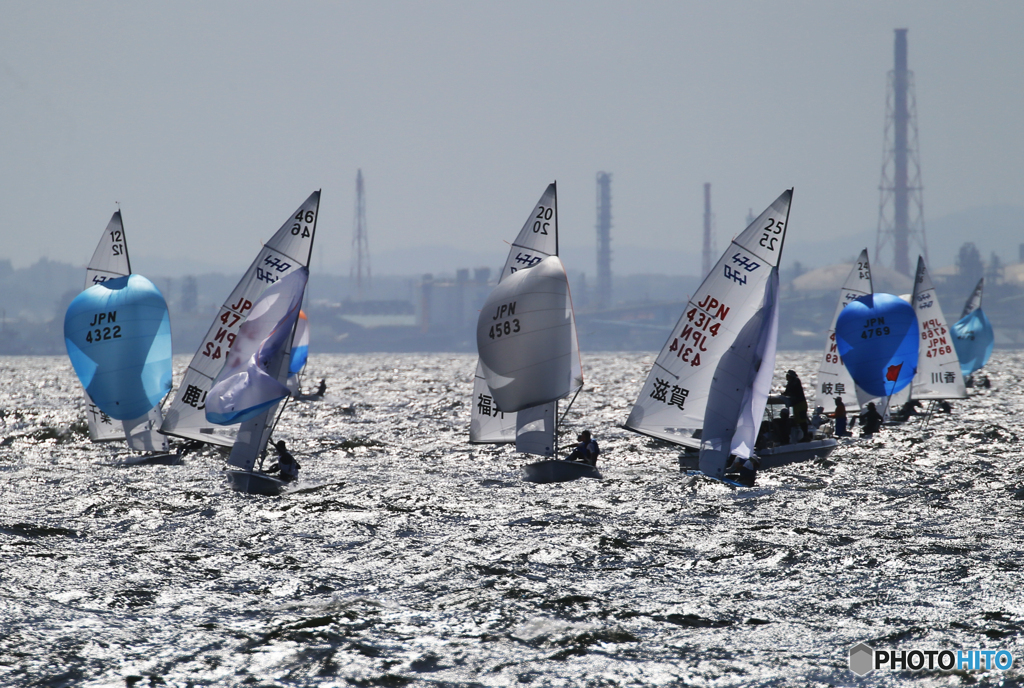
(406, 556)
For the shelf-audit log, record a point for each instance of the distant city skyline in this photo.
(211, 122)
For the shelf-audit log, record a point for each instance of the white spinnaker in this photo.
(834, 379)
(537, 240)
(288, 250)
(673, 400)
(525, 337)
(974, 302)
(740, 387)
(938, 368)
(109, 261)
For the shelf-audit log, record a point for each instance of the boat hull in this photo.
(774, 457)
(153, 460)
(558, 471)
(254, 483)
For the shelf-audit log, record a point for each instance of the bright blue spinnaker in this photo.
(118, 337)
(878, 340)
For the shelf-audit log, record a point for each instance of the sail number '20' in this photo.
(769, 238)
(306, 217)
(540, 225)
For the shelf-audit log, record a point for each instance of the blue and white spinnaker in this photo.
(248, 383)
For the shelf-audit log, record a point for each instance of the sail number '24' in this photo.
(304, 220)
(769, 238)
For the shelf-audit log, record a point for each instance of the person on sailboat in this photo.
(818, 419)
(322, 389)
(870, 421)
(586, 449)
(795, 392)
(745, 468)
(840, 416)
(286, 463)
(782, 428)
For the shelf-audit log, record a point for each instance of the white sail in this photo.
(834, 379)
(938, 368)
(673, 400)
(740, 387)
(537, 240)
(288, 250)
(488, 424)
(535, 429)
(974, 302)
(109, 261)
(525, 338)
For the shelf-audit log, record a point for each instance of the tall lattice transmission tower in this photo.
(901, 206)
(604, 240)
(360, 272)
(709, 252)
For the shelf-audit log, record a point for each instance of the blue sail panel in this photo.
(878, 339)
(973, 340)
(118, 337)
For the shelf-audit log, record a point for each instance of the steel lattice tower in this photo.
(901, 206)
(360, 247)
(604, 240)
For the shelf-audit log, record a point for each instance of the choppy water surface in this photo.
(408, 557)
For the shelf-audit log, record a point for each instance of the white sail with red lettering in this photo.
(938, 367)
(834, 379)
(287, 251)
(673, 400)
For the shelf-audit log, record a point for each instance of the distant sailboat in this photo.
(973, 336)
(529, 352)
(109, 262)
(938, 368)
(709, 385)
(833, 378)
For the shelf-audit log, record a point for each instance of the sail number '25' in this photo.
(769, 238)
(540, 224)
(304, 220)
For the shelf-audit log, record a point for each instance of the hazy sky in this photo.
(211, 121)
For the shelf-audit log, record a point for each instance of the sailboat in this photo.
(938, 368)
(708, 387)
(973, 337)
(287, 251)
(529, 352)
(110, 261)
(834, 379)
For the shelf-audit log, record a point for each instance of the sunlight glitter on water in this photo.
(405, 555)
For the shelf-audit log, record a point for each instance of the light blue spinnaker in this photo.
(973, 337)
(118, 336)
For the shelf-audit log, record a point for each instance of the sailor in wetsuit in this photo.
(586, 449)
(286, 463)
